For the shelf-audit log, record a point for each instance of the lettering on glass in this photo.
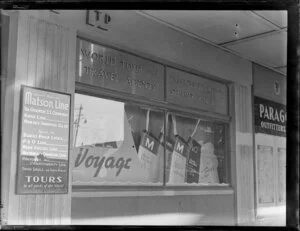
(115, 70)
(191, 90)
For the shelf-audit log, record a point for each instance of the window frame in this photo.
(163, 189)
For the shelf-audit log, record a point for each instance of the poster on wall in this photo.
(270, 117)
(43, 154)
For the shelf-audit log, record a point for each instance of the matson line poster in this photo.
(43, 154)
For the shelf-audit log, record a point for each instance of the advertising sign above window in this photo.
(119, 71)
(270, 117)
(192, 91)
(44, 142)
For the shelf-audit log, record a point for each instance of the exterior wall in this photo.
(41, 54)
(159, 210)
(242, 152)
(275, 142)
(44, 56)
(264, 80)
(134, 33)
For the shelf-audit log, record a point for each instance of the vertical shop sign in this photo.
(178, 161)
(193, 162)
(43, 153)
(148, 156)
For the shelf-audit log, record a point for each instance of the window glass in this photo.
(116, 143)
(195, 152)
(123, 143)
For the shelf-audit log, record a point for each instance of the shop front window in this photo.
(118, 143)
(195, 151)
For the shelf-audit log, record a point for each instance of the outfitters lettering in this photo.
(99, 162)
(270, 117)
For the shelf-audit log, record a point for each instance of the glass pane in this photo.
(195, 151)
(115, 143)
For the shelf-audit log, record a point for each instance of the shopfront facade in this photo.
(161, 126)
(270, 138)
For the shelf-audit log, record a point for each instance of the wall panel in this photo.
(42, 54)
(244, 155)
(166, 210)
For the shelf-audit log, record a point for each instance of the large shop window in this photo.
(117, 143)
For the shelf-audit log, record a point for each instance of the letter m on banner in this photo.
(149, 144)
(179, 147)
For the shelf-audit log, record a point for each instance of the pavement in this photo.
(273, 216)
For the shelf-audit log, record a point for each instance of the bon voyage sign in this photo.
(43, 142)
(270, 117)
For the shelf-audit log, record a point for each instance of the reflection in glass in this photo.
(123, 143)
(116, 143)
(195, 152)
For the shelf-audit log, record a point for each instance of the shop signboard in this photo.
(270, 117)
(193, 91)
(119, 71)
(43, 154)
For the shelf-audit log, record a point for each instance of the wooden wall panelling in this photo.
(42, 60)
(279, 165)
(19, 69)
(244, 155)
(71, 40)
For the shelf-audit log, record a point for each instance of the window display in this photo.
(194, 159)
(117, 143)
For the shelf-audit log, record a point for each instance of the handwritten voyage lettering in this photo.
(43, 144)
(116, 70)
(99, 162)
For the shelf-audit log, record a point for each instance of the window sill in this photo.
(136, 192)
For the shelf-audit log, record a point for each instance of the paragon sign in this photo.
(43, 142)
(270, 117)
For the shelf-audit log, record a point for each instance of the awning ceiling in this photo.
(260, 36)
